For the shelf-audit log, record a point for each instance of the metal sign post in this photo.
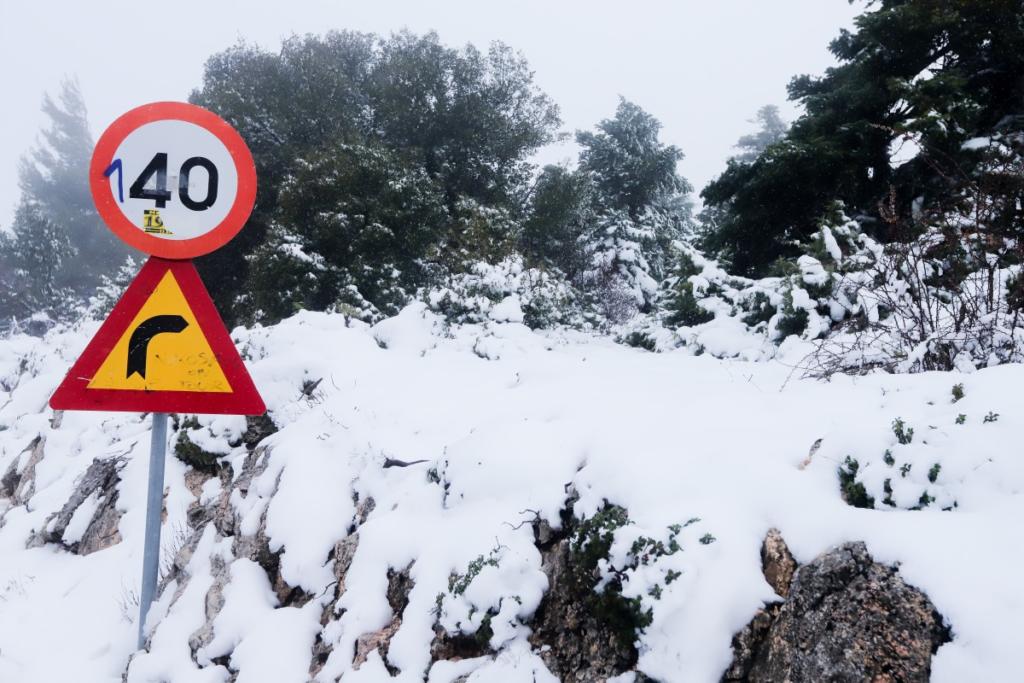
(154, 513)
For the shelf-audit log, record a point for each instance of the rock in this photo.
(400, 584)
(846, 618)
(748, 641)
(575, 644)
(102, 532)
(256, 429)
(777, 563)
(19, 486)
(580, 634)
(213, 605)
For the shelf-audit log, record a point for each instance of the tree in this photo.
(33, 260)
(772, 129)
(937, 72)
(631, 169)
(559, 212)
(354, 230)
(460, 122)
(471, 118)
(638, 208)
(54, 184)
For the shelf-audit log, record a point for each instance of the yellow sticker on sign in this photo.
(163, 349)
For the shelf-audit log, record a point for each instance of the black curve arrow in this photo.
(144, 333)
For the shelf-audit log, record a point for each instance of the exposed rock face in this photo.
(777, 562)
(846, 618)
(399, 586)
(257, 429)
(575, 643)
(99, 480)
(18, 485)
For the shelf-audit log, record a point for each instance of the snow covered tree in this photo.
(33, 260)
(638, 207)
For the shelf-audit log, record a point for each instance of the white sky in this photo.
(702, 67)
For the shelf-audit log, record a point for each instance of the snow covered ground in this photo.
(505, 419)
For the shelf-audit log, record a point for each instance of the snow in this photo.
(669, 436)
(976, 143)
(508, 310)
(831, 245)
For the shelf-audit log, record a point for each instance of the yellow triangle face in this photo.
(163, 349)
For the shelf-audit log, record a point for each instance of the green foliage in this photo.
(458, 583)
(32, 261)
(772, 129)
(352, 216)
(957, 392)
(961, 418)
(933, 472)
(58, 250)
(904, 435)
(887, 489)
(558, 211)
(591, 542)
(792, 321)
(938, 72)
(381, 161)
(682, 307)
(853, 491)
(191, 454)
(760, 310)
(638, 340)
(991, 417)
(630, 167)
(637, 212)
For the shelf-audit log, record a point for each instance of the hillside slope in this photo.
(396, 515)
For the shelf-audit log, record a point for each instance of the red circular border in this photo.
(115, 219)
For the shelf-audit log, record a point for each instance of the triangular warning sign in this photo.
(162, 349)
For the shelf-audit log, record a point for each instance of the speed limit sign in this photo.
(173, 180)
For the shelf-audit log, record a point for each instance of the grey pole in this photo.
(154, 512)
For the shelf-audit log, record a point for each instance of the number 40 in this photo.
(159, 193)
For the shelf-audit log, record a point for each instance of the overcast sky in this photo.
(703, 68)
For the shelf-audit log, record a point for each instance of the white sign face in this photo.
(173, 180)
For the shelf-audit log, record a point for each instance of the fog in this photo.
(702, 68)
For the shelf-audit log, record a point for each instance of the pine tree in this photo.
(33, 259)
(771, 130)
(54, 182)
(638, 209)
(936, 72)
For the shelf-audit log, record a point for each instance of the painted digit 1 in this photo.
(116, 165)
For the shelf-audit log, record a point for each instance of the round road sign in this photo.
(173, 180)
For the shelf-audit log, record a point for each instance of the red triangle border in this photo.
(244, 399)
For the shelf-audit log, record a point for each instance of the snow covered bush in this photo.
(507, 291)
(943, 299)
